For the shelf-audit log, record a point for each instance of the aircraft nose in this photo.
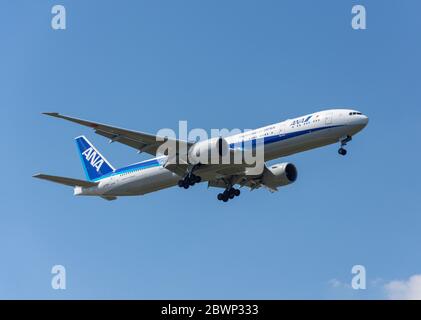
(357, 121)
(360, 122)
(364, 120)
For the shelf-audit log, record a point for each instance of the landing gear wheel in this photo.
(231, 193)
(189, 180)
(342, 151)
(228, 194)
(224, 196)
(192, 179)
(344, 142)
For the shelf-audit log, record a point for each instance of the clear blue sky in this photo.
(146, 65)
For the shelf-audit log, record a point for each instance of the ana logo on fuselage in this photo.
(300, 121)
(93, 158)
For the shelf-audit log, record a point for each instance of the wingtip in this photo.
(53, 114)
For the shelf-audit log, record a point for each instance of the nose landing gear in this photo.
(342, 151)
(228, 194)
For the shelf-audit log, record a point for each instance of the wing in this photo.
(143, 142)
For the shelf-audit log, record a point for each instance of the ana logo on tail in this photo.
(95, 159)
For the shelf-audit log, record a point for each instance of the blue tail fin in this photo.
(94, 164)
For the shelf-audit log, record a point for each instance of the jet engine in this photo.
(280, 174)
(208, 151)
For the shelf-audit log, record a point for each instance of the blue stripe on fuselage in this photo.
(279, 137)
(134, 167)
(267, 140)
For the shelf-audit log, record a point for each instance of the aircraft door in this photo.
(328, 119)
(281, 129)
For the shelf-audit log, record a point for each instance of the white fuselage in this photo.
(281, 139)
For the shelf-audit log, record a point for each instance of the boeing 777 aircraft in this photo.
(279, 140)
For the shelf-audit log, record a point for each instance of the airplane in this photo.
(279, 140)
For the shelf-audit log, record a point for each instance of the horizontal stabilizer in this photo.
(66, 181)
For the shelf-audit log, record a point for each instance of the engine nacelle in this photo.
(280, 174)
(208, 151)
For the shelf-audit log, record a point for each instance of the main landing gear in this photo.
(342, 151)
(189, 180)
(228, 194)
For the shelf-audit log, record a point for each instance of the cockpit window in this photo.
(355, 113)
